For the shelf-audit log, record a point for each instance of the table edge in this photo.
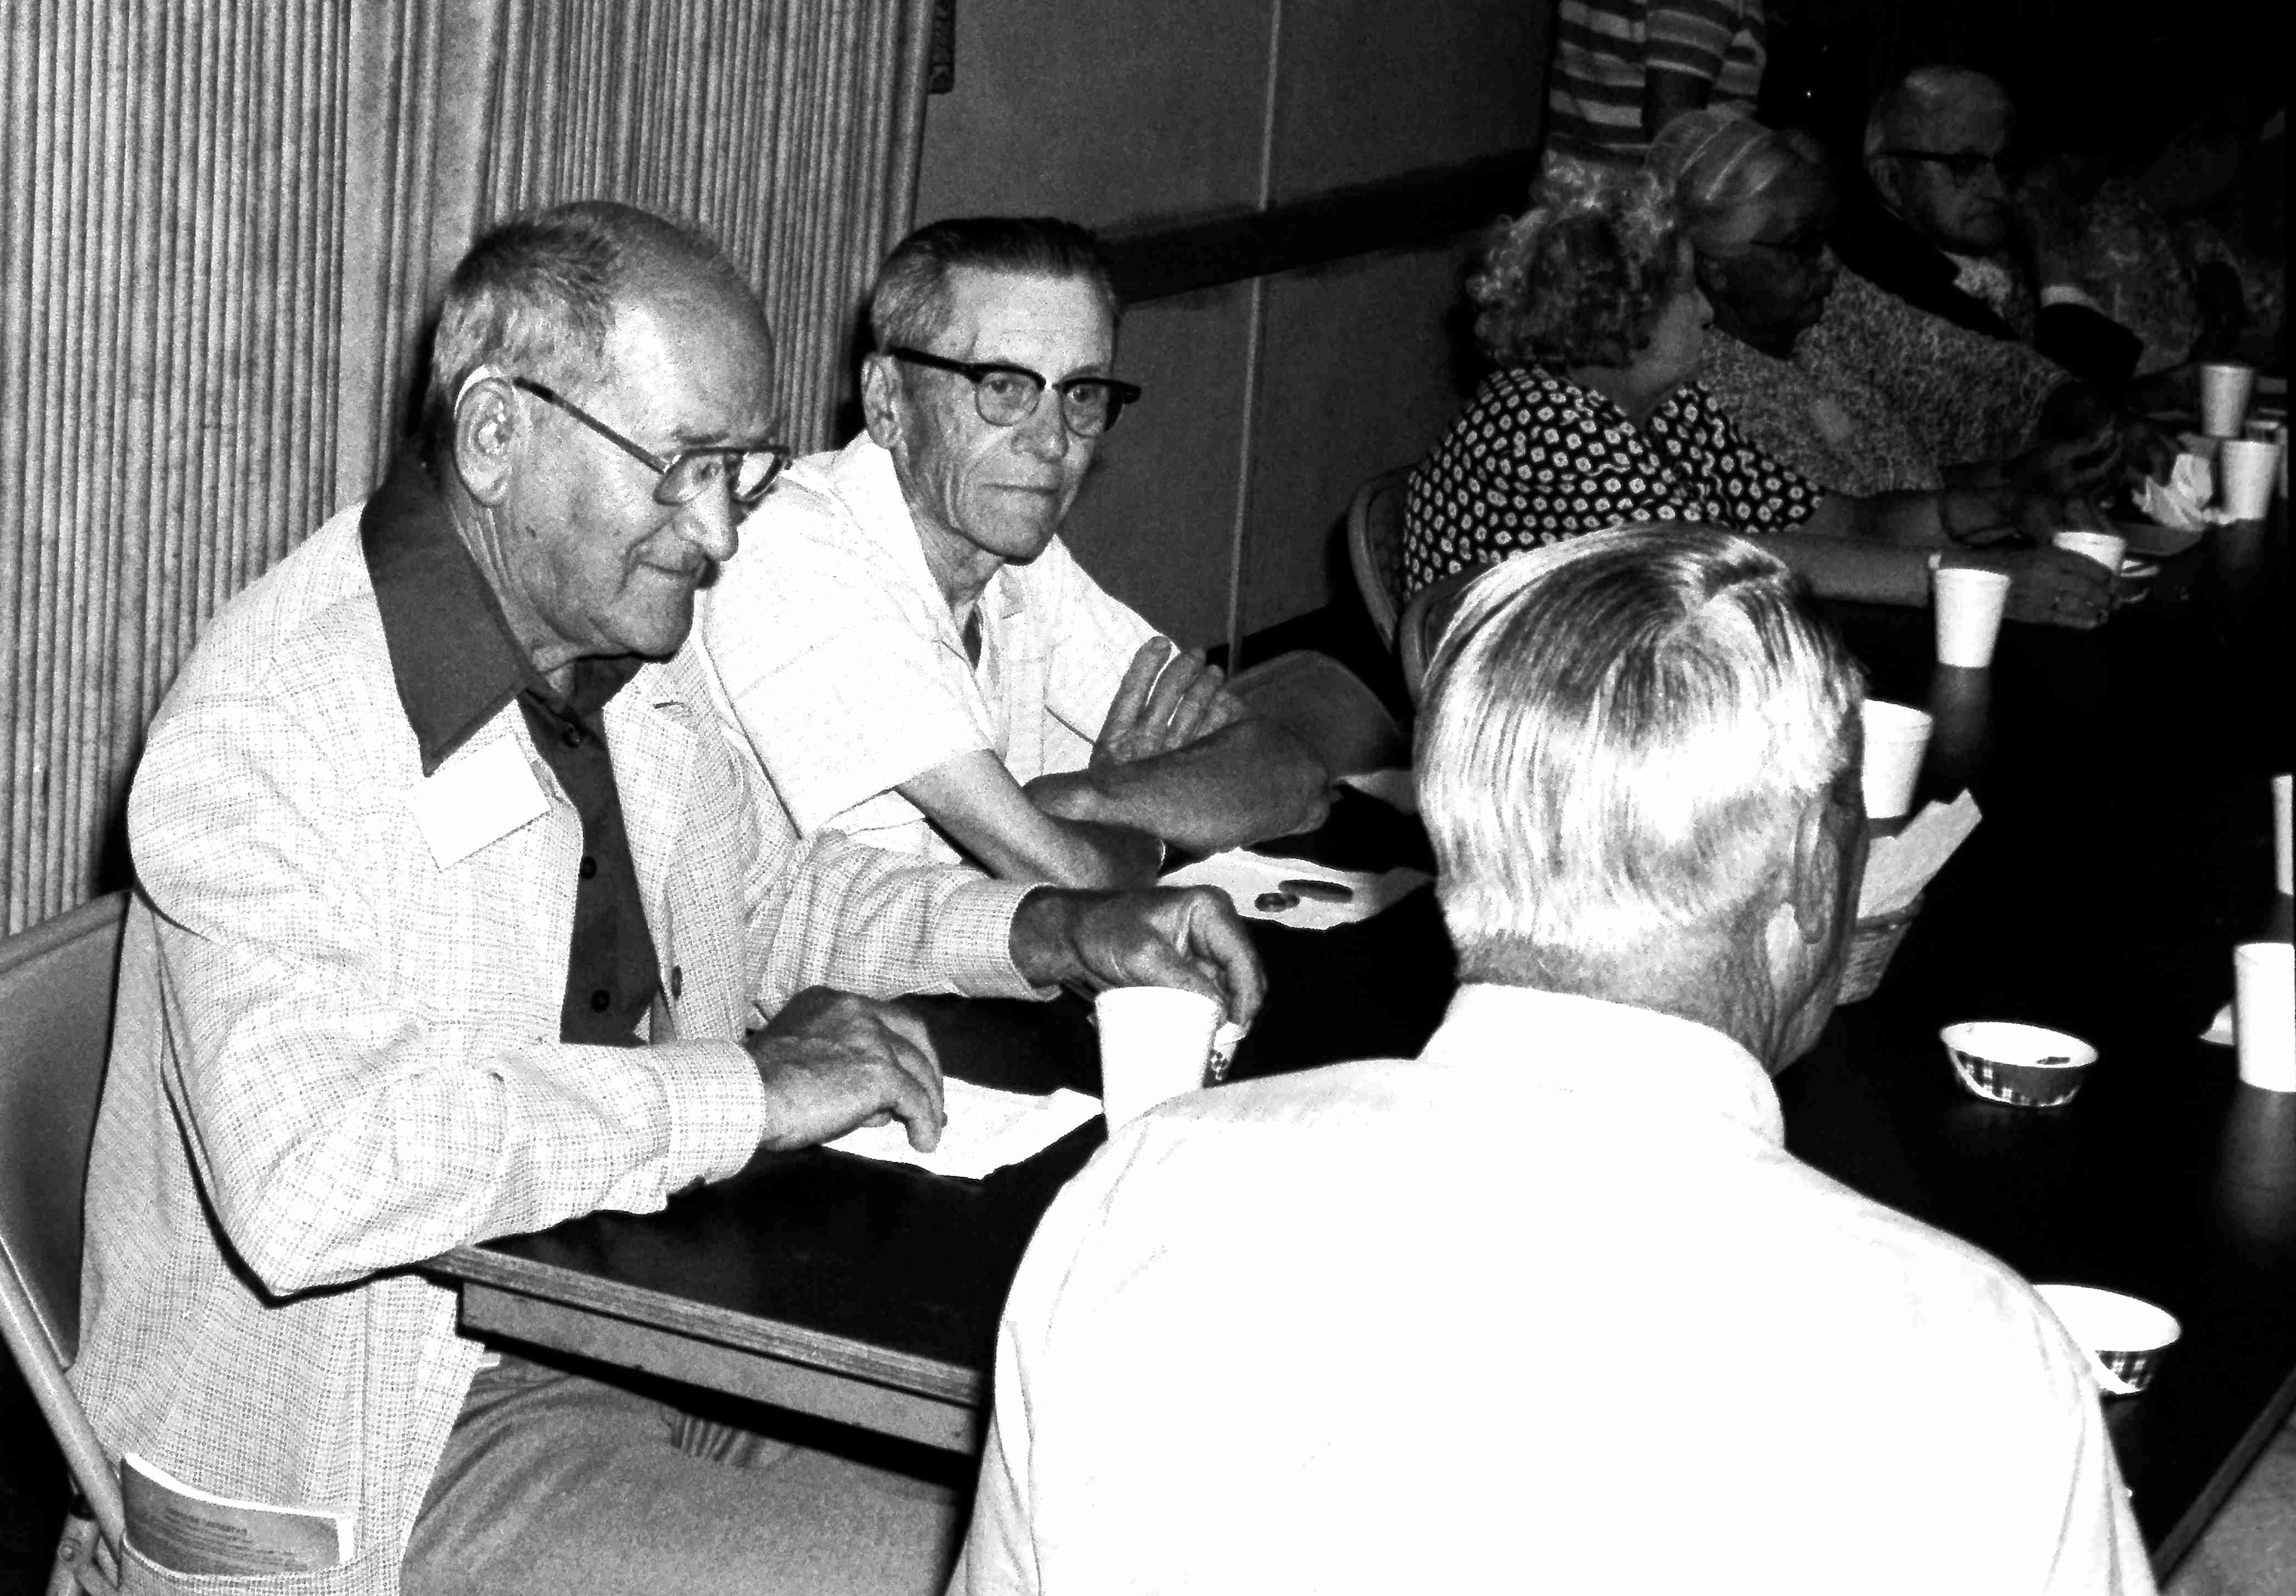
(748, 1332)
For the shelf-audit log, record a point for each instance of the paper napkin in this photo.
(987, 1129)
(1248, 878)
(1898, 867)
(2220, 1029)
(2183, 501)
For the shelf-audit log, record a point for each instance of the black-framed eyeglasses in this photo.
(1963, 164)
(1007, 395)
(747, 474)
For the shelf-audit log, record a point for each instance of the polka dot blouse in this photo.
(1535, 459)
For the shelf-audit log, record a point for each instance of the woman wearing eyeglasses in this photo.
(1591, 309)
(1849, 385)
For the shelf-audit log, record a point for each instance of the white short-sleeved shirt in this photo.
(835, 659)
(1550, 1307)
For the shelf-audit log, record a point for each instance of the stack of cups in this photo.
(2247, 469)
(1896, 738)
(1969, 602)
(2264, 978)
(1155, 1043)
(2224, 389)
(2264, 1013)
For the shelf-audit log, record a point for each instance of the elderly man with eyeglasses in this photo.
(467, 924)
(910, 652)
(1936, 226)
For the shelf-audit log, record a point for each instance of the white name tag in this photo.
(487, 793)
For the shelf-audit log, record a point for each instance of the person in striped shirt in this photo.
(1623, 69)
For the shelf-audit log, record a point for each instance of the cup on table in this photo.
(2106, 549)
(2247, 472)
(2224, 388)
(1896, 736)
(1155, 1043)
(2284, 788)
(2264, 1013)
(2125, 1335)
(1969, 601)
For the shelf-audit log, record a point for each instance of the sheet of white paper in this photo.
(2220, 1029)
(1395, 788)
(1246, 877)
(987, 1129)
(1898, 867)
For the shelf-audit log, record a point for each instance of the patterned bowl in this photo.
(2125, 1334)
(2024, 1066)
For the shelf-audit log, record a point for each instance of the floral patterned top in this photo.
(1878, 395)
(1535, 459)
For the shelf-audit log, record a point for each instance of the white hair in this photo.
(1901, 111)
(1619, 734)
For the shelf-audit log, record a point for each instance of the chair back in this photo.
(1329, 707)
(1420, 628)
(1375, 546)
(56, 985)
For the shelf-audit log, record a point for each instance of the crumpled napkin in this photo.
(2183, 501)
(2220, 1029)
(987, 1129)
(1247, 877)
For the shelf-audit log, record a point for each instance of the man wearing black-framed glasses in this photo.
(994, 704)
(1935, 224)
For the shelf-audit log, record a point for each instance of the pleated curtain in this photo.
(223, 228)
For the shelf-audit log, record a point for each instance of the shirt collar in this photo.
(452, 654)
(1646, 1062)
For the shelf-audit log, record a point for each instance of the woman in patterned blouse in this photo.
(1849, 385)
(1589, 307)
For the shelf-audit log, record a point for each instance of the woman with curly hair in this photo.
(1591, 310)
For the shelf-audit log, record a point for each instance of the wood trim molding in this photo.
(1157, 259)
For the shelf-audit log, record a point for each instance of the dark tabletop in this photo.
(2126, 847)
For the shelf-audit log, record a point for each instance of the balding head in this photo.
(1934, 146)
(537, 297)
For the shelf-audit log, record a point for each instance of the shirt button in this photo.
(589, 867)
(572, 736)
(601, 1000)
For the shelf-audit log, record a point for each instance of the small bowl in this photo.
(2024, 1066)
(2125, 1334)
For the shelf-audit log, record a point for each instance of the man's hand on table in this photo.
(832, 1062)
(1190, 938)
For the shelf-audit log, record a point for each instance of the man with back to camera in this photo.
(1551, 1306)
(911, 652)
(467, 923)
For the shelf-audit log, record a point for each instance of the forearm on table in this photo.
(1250, 780)
(1851, 568)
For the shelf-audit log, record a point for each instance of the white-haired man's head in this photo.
(1937, 147)
(1639, 762)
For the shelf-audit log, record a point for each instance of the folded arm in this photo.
(1181, 758)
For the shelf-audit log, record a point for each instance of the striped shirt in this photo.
(1604, 48)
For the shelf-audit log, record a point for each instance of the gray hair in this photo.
(1618, 733)
(1583, 275)
(537, 297)
(910, 305)
(1715, 163)
(1906, 107)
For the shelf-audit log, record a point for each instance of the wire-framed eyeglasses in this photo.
(746, 474)
(1007, 395)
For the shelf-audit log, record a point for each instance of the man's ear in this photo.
(881, 397)
(1813, 874)
(489, 425)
